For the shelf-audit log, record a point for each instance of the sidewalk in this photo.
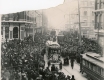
(67, 70)
(75, 71)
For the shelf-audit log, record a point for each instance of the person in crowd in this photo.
(7, 74)
(60, 65)
(72, 63)
(72, 77)
(47, 70)
(68, 77)
(39, 77)
(24, 76)
(56, 69)
(40, 70)
(49, 63)
(53, 67)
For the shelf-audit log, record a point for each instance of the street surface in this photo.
(67, 70)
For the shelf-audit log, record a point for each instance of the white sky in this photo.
(57, 15)
(56, 10)
(10, 6)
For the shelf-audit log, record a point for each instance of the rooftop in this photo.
(94, 58)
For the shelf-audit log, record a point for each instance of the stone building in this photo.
(87, 18)
(99, 22)
(21, 24)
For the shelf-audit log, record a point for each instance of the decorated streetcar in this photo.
(53, 51)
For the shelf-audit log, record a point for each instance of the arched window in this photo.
(15, 32)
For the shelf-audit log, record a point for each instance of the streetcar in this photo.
(93, 65)
(53, 51)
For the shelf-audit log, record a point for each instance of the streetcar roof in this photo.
(52, 44)
(94, 58)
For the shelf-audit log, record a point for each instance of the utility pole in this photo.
(79, 25)
(80, 36)
(42, 22)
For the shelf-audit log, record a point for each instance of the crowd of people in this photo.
(53, 74)
(70, 45)
(24, 60)
(19, 57)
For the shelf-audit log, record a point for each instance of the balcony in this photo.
(20, 17)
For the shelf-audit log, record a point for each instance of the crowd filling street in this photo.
(24, 59)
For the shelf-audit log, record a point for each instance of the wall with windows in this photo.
(17, 25)
(87, 16)
(99, 22)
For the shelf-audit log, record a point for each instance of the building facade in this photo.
(99, 22)
(17, 25)
(20, 25)
(86, 8)
(87, 18)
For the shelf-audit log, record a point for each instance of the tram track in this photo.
(67, 71)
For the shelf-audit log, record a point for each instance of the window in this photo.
(101, 22)
(15, 32)
(10, 34)
(6, 32)
(85, 13)
(102, 71)
(84, 32)
(87, 63)
(97, 22)
(85, 3)
(92, 13)
(1, 30)
(98, 4)
(22, 28)
(22, 34)
(90, 65)
(84, 23)
(92, 3)
(102, 4)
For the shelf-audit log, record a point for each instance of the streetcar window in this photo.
(87, 64)
(94, 67)
(99, 70)
(83, 62)
(90, 65)
(102, 71)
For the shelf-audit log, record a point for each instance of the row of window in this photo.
(12, 34)
(99, 21)
(87, 3)
(99, 4)
(93, 67)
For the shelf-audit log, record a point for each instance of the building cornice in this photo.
(18, 22)
(99, 10)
